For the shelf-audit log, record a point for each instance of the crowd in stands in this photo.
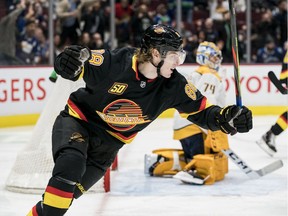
(24, 26)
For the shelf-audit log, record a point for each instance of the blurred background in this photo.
(33, 32)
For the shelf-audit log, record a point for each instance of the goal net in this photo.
(33, 166)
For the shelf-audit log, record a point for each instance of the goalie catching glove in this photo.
(233, 119)
(70, 62)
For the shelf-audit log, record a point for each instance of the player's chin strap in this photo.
(158, 66)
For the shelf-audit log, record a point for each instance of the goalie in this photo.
(201, 160)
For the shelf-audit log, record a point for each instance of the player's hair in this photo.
(143, 56)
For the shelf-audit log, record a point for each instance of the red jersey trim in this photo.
(75, 111)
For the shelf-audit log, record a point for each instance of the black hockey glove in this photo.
(233, 119)
(69, 63)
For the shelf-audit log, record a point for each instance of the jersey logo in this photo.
(191, 90)
(97, 58)
(118, 88)
(123, 115)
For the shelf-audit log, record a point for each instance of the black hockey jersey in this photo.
(120, 100)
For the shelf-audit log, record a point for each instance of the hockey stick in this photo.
(253, 174)
(277, 83)
(235, 55)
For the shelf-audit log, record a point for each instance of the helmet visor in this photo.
(176, 56)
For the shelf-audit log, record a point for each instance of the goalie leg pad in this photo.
(213, 165)
(216, 140)
(164, 162)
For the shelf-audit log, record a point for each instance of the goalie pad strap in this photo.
(168, 162)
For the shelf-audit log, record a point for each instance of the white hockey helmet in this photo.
(206, 50)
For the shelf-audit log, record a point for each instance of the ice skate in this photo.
(267, 143)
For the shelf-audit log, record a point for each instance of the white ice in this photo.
(134, 194)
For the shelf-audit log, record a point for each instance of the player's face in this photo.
(171, 61)
(215, 59)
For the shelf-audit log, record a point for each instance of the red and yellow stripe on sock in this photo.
(282, 121)
(57, 198)
(33, 212)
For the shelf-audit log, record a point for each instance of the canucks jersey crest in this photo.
(123, 115)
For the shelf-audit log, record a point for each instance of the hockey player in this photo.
(201, 147)
(126, 89)
(267, 141)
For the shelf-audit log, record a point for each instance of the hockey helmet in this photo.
(164, 39)
(205, 52)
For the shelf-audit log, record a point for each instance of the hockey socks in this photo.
(36, 210)
(57, 199)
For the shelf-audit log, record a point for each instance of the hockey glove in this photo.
(233, 119)
(70, 62)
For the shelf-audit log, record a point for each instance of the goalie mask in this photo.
(208, 54)
(164, 39)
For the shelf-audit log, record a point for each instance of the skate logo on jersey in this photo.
(118, 88)
(191, 90)
(123, 115)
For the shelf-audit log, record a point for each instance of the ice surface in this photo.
(134, 194)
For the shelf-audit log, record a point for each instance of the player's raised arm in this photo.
(70, 62)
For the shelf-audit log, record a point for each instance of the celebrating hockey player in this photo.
(126, 89)
(201, 147)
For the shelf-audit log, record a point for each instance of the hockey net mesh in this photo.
(33, 166)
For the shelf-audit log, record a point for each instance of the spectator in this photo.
(280, 18)
(266, 27)
(85, 40)
(28, 48)
(240, 5)
(186, 8)
(94, 19)
(139, 23)
(8, 30)
(217, 9)
(197, 26)
(44, 46)
(225, 36)
(201, 36)
(211, 33)
(27, 14)
(190, 45)
(162, 16)
(123, 18)
(97, 42)
(150, 6)
(67, 13)
(270, 53)
(57, 45)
